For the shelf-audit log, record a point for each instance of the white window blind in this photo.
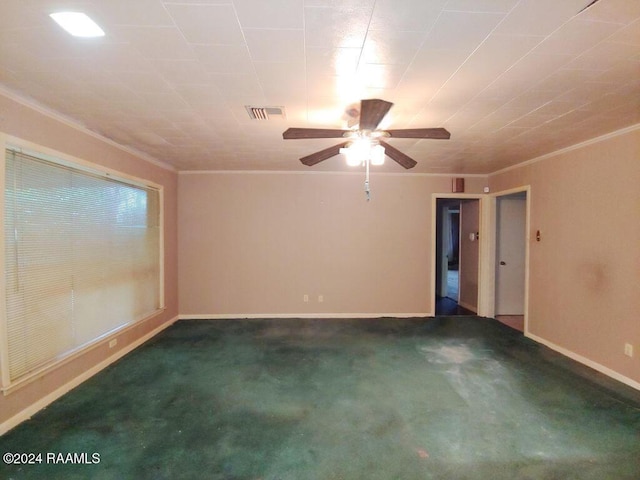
(82, 259)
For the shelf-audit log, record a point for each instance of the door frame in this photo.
(491, 259)
(483, 270)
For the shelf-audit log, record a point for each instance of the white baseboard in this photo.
(585, 361)
(32, 409)
(231, 316)
(472, 308)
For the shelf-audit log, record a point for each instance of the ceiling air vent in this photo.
(265, 113)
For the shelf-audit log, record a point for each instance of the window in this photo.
(82, 260)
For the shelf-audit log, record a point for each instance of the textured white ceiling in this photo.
(510, 79)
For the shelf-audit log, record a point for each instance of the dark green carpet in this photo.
(446, 398)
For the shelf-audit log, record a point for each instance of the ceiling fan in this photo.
(363, 144)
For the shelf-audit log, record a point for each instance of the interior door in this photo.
(511, 213)
(469, 258)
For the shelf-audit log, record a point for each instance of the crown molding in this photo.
(69, 122)
(577, 146)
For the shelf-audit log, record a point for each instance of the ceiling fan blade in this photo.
(317, 157)
(394, 154)
(372, 112)
(435, 133)
(298, 133)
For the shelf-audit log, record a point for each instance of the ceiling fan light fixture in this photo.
(358, 152)
(351, 157)
(377, 155)
(361, 151)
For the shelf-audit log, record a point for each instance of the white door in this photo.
(511, 214)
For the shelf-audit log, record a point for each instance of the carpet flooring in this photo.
(442, 398)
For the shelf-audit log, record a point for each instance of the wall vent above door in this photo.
(265, 113)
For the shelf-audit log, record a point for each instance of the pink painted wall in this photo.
(256, 243)
(584, 293)
(26, 123)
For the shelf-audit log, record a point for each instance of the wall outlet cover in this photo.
(628, 350)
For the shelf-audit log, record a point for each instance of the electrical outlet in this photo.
(628, 350)
(305, 298)
(320, 298)
(113, 343)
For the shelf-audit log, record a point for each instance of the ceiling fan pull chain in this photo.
(367, 191)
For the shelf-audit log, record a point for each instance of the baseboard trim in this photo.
(471, 308)
(34, 408)
(585, 361)
(231, 316)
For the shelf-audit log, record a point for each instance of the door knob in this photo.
(503, 263)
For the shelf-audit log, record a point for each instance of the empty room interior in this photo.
(311, 239)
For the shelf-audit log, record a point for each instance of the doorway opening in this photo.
(511, 254)
(456, 256)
